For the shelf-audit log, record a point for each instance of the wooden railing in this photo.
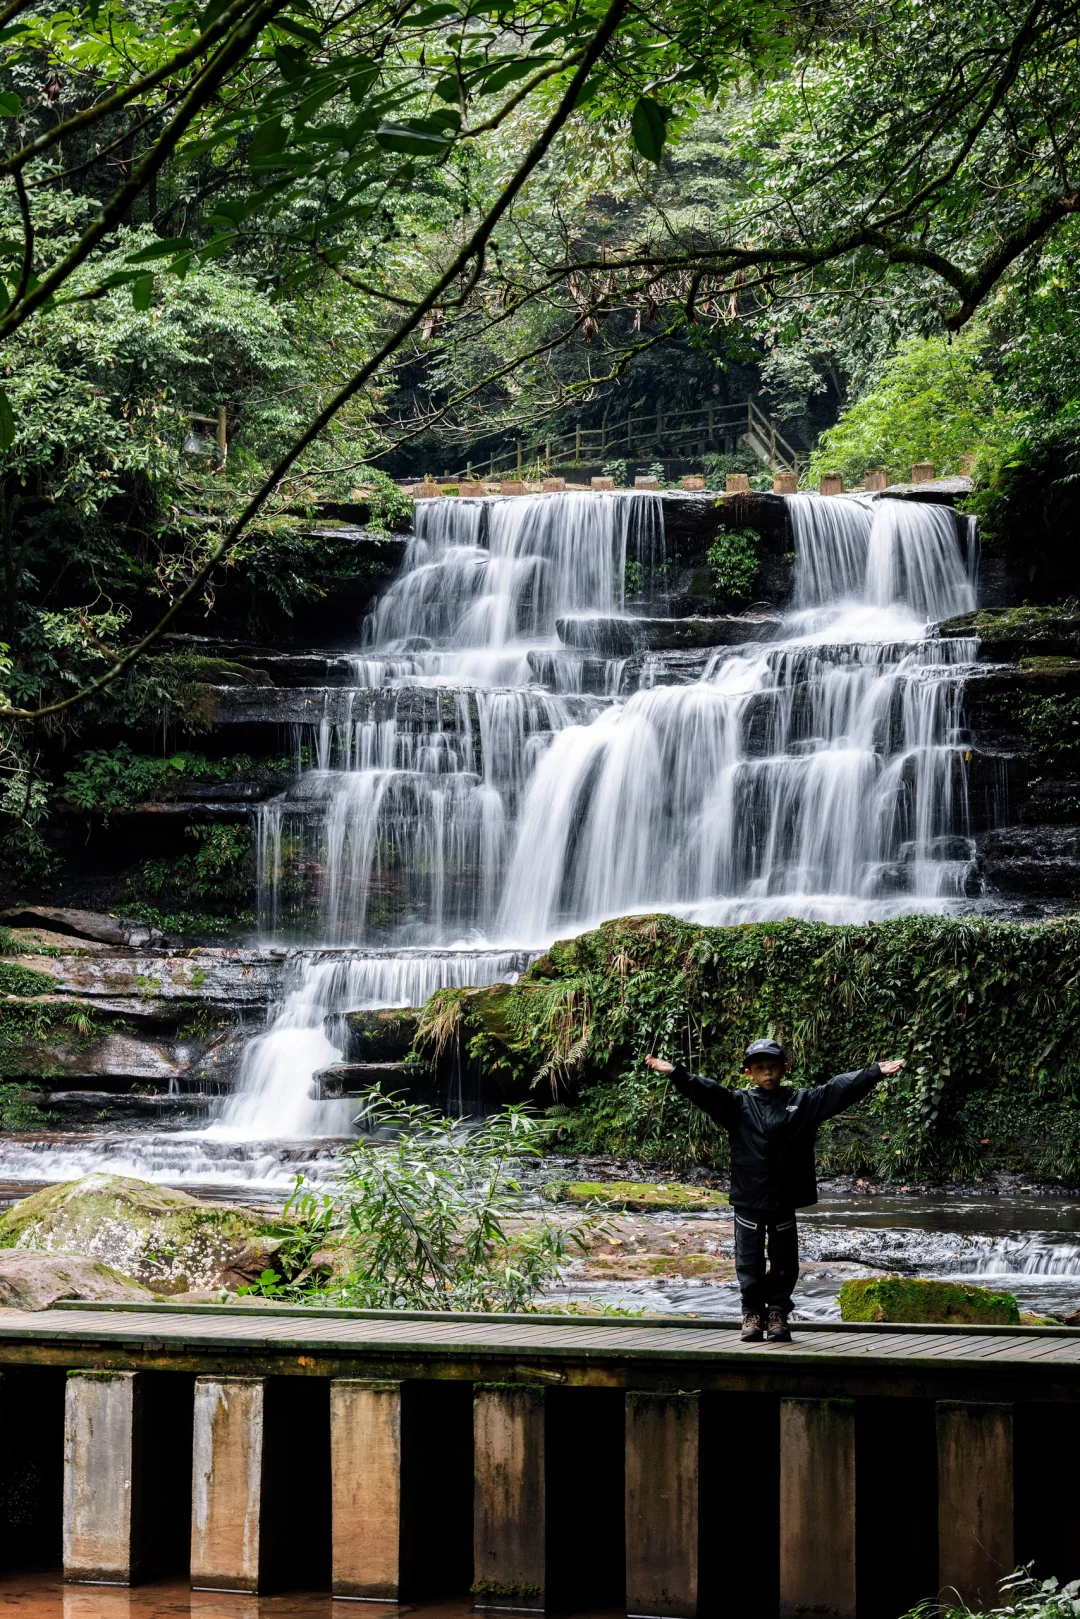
(644, 435)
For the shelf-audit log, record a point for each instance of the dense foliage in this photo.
(984, 1013)
(420, 1221)
(1023, 1598)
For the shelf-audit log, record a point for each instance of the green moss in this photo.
(498, 1592)
(641, 1197)
(16, 980)
(907, 1298)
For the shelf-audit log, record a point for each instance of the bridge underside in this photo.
(537, 1463)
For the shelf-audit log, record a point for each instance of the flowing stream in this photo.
(513, 765)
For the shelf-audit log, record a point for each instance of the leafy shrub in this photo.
(16, 980)
(419, 1221)
(618, 471)
(1026, 1598)
(934, 401)
(1052, 725)
(735, 561)
(716, 467)
(16, 1113)
(220, 868)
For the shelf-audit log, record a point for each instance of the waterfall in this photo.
(487, 787)
(461, 800)
(503, 772)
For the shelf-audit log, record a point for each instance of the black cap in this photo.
(763, 1048)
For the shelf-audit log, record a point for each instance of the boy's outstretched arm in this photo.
(825, 1101)
(712, 1097)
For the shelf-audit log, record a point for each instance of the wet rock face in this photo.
(118, 930)
(383, 1036)
(621, 637)
(163, 1239)
(30, 1281)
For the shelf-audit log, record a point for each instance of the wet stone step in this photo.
(621, 636)
(92, 1109)
(355, 1078)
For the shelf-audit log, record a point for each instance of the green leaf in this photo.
(415, 138)
(291, 60)
(9, 103)
(269, 138)
(310, 36)
(7, 422)
(360, 83)
(159, 250)
(210, 12)
(142, 291)
(449, 89)
(648, 128)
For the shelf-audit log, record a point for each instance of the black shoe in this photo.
(777, 1329)
(751, 1328)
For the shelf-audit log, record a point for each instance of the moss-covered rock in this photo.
(164, 1239)
(909, 1298)
(385, 1035)
(640, 1197)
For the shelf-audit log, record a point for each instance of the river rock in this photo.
(119, 930)
(161, 1237)
(34, 1281)
(911, 1298)
(381, 1036)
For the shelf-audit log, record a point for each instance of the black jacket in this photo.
(772, 1132)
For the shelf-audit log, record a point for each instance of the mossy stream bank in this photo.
(983, 1011)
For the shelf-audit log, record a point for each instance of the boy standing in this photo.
(771, 1128)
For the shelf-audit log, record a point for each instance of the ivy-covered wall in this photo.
(986, 1013)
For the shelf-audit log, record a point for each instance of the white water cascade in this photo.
(495, 780)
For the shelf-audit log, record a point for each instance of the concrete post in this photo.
(365, 1464)
(922, 472)
(509, 1516)
(785, 483)
(102, 1482)
(817, 1507)
(875, 478)
(662, 1527)
(736, 483)
(832, 484)
(228, 1468)
(975, 1499)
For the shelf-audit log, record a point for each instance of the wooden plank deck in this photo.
(191, 1331)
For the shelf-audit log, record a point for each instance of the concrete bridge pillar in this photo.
(229, 1550)
(509, 1490)
(662, 1518)
(365, 1461)
(975, 1499)
(103, 1477)
(817, 1507)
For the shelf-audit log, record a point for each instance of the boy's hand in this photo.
(890, 1068)
(659, 1065)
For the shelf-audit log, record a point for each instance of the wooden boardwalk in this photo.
(396, 1455)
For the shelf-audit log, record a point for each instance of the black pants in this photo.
(756, 1234)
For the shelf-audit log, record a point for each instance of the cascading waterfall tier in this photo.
(821, 774)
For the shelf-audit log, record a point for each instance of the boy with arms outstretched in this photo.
(771, 1128)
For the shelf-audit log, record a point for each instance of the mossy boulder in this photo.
(641, 1197)
(162, 1238)
(910, 1298)
(385, 1035)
